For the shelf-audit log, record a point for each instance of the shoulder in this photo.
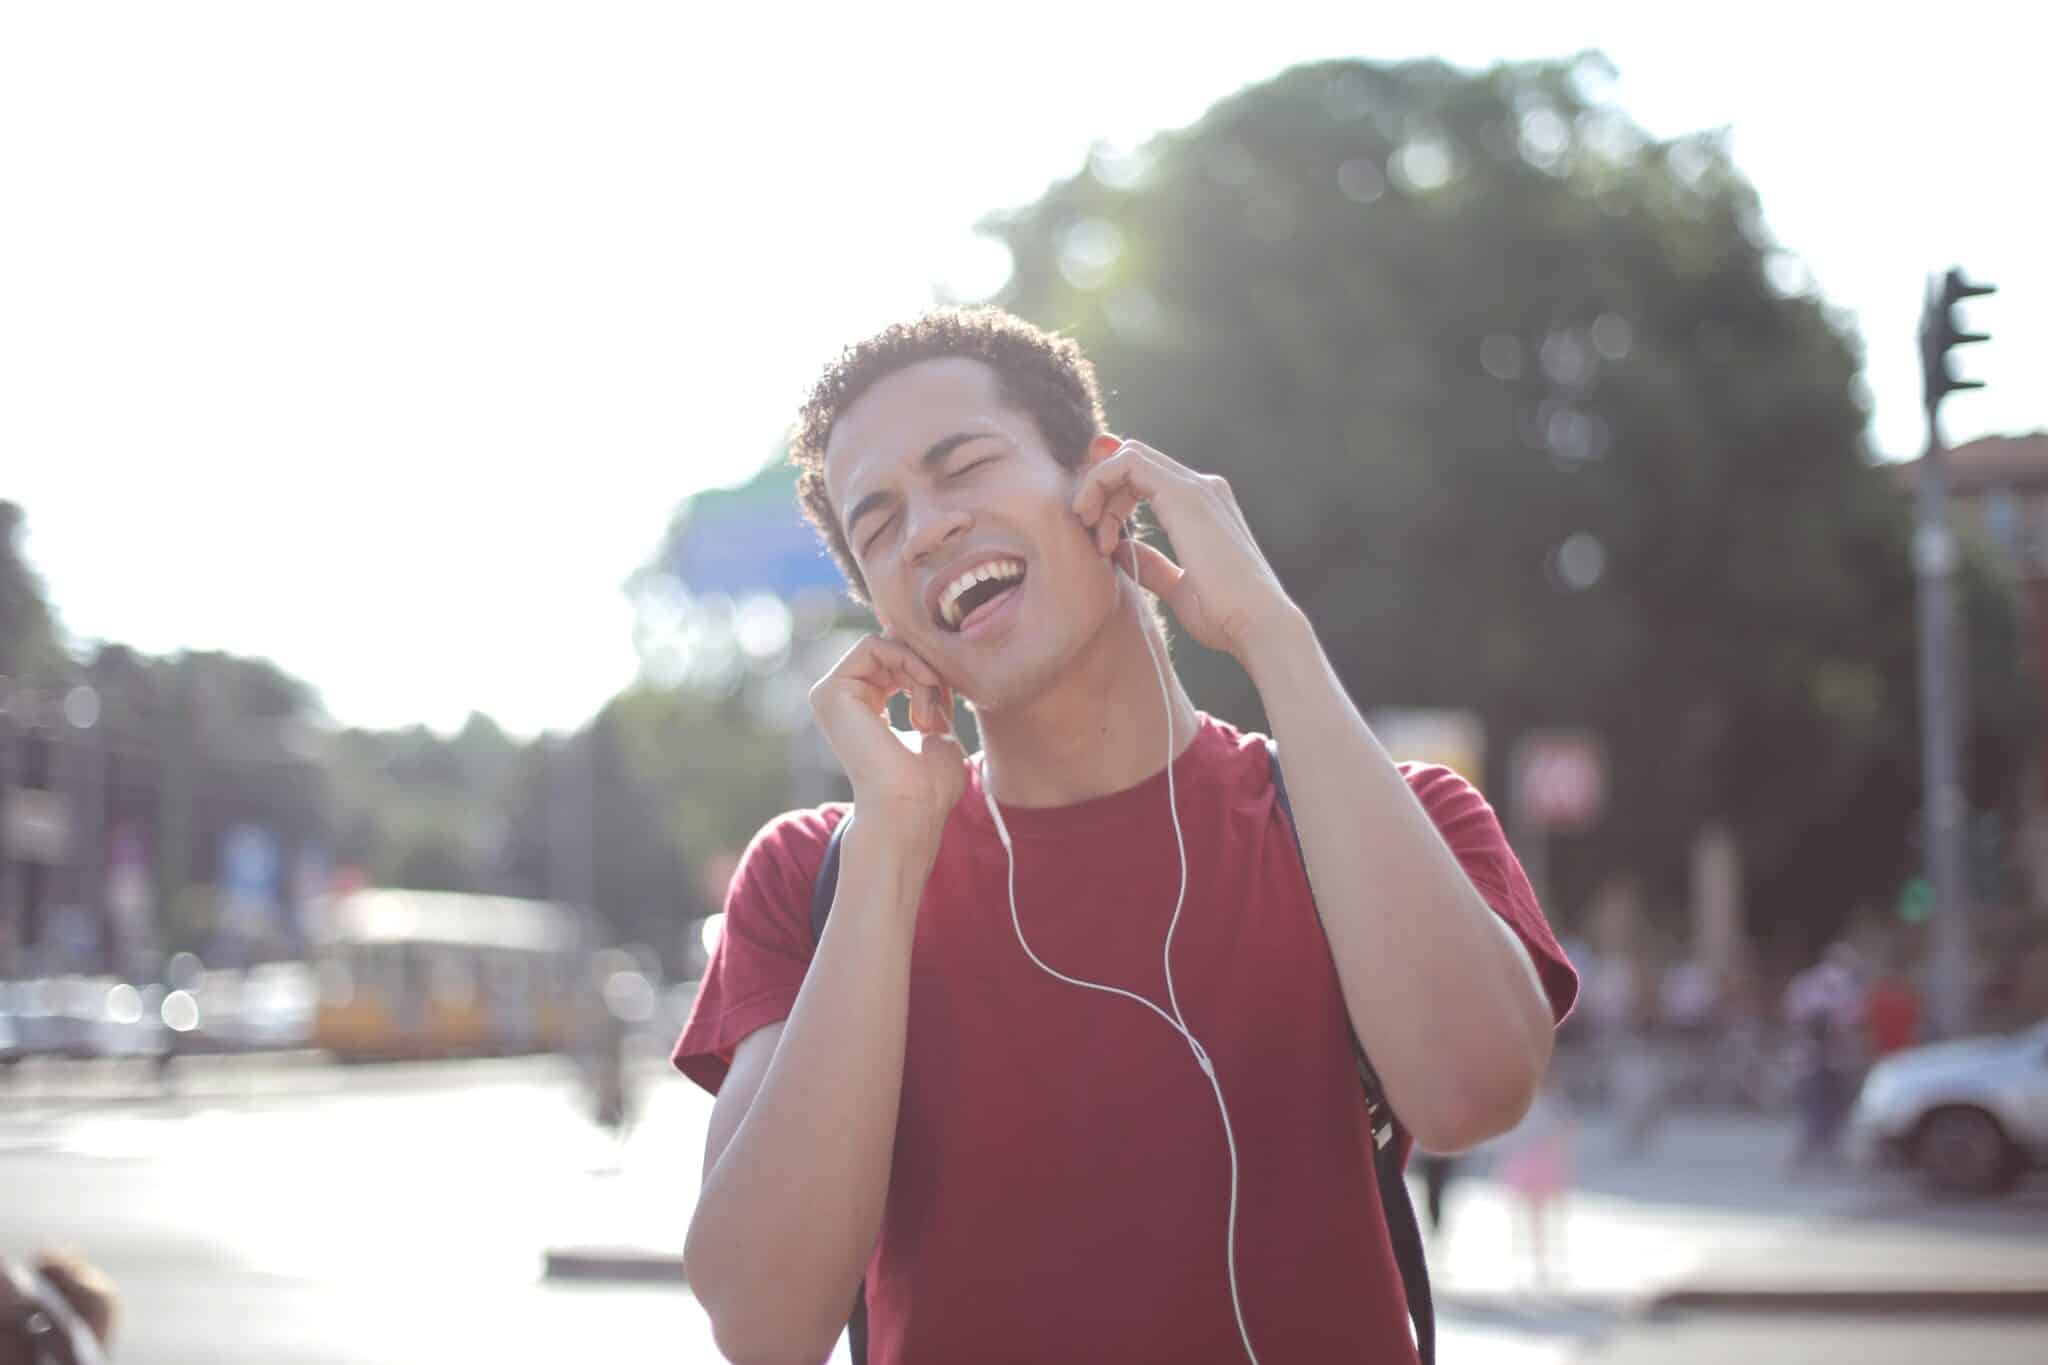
(799, 834)
(784, 856)
(1454, 804)
(1224, 752)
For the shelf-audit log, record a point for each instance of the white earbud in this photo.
(1174, 1021)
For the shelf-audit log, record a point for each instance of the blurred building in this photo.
(1999, 488)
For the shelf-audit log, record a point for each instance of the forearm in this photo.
(791, 1207)
(1441, 992)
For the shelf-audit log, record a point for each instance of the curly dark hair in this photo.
(1043, 375)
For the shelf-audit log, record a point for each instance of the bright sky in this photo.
(381, 339)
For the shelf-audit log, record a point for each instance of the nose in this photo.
(933, 523)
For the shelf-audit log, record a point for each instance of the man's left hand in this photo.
(1223, 591)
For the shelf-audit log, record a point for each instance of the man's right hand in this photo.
(908, 781)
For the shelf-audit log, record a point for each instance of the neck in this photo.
(1101, 728)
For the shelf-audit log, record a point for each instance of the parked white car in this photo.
(1972, 1114)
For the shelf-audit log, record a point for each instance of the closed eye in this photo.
(869, 546)
(973, 465)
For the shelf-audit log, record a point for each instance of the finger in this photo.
(878, 669)
(938, 713)
(1109, 528)
(1128, 469)
(1156, 573)
(876, 682)
(928, 710)
(895, 656)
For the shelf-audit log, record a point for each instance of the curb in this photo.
(134, 1079)
(2008, 1301)
(1511, 1304)
(614, 1263)
(649, 1267)
(1971, 1300)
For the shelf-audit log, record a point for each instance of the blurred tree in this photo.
(413, 809)
(737, 611)
(199, 743)
(608, 784)
(707, 763)
(30, 651)
(1532, 418)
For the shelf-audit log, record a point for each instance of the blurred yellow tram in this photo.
(415, 974)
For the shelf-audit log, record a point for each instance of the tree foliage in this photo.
(29, 647)
(1532, 418)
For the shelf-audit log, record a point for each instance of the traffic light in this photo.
(1939, 332)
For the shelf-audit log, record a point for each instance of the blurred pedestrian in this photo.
(1639, 1094)
(57, 1311)
(606, 1035)
(1608, 1004)
(1638, 1074)
(1824, 1005)
(1537, 1170)
(1689, 1022)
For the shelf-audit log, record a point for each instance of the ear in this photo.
(1100, 449)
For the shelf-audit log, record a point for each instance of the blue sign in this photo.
(249, 863)
(750, 539)
(753, 551)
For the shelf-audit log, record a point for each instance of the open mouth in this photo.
(978, 592)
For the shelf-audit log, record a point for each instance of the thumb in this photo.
(1156, 573)
(940, 748)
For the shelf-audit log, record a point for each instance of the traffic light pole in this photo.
(1944, 804)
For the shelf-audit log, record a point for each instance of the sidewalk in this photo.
(1706, 1218)
(1709, 1218)
(36, 1084)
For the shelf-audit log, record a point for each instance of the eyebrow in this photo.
(929, 460)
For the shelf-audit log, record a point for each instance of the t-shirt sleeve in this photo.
(1473, 832)
(764, 948)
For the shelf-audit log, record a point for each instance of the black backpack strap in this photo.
(827, 885)
(822, 892)
(1403, 1232)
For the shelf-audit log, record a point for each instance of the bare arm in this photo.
(1442, 992)
(796, 1161)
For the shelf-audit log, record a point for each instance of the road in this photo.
(294, 1213)
(307, 1215)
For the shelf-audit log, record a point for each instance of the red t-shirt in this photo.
(1061, 1184)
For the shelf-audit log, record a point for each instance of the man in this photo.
(1016, 1168)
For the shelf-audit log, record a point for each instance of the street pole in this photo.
(174, 813)
(572, 820)
(1944, 803)
(12, 917)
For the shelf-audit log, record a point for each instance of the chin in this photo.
(1022, 681)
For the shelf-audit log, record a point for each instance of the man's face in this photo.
(935, 477)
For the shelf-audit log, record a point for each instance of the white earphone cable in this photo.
(1175, 1020)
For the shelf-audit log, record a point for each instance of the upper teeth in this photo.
(949, 600)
